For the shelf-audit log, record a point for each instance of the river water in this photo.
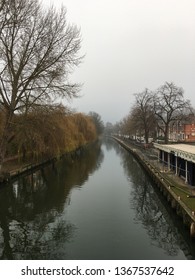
(97, 205)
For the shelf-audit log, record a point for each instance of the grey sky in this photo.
(131, 45)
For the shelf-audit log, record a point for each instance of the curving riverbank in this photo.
(176, 192)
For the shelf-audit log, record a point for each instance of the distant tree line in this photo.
(154, 111)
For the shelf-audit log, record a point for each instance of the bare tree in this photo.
(97, 121)
(2, 2)
(38, 50)
(127, 126)
(3, 17)
(143, 112)
(169, 105)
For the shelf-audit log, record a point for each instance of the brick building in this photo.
(183, 130)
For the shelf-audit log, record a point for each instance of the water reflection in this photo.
(32, 220)
(165, 229)
(77, 210)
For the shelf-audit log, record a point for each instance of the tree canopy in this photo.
(169, 105)
(38, 51)
(156, 110)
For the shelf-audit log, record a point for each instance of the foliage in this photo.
(97, 121)
(38, 51)
(50, 131)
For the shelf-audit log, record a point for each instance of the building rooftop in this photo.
(183, 147)
(185, 151)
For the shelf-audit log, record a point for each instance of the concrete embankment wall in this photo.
(165, 187)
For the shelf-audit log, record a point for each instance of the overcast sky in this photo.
(130, 45)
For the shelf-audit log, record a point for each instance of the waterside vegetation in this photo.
(38, 52)
(48, 132)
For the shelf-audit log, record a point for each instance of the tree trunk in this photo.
(146, 136)
(166, 134)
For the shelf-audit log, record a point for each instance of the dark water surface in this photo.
(100, 205)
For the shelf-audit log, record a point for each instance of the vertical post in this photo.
(168, 161)
(163, 159)
(176, 165)
(158, 155)
(186, 170)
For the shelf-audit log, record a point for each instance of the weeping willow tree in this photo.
(49, 131)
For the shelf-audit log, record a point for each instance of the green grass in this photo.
(189, 201)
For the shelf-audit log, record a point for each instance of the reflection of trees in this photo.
(32, 223)
(151, 210)
(41, 239)
(109, 143)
